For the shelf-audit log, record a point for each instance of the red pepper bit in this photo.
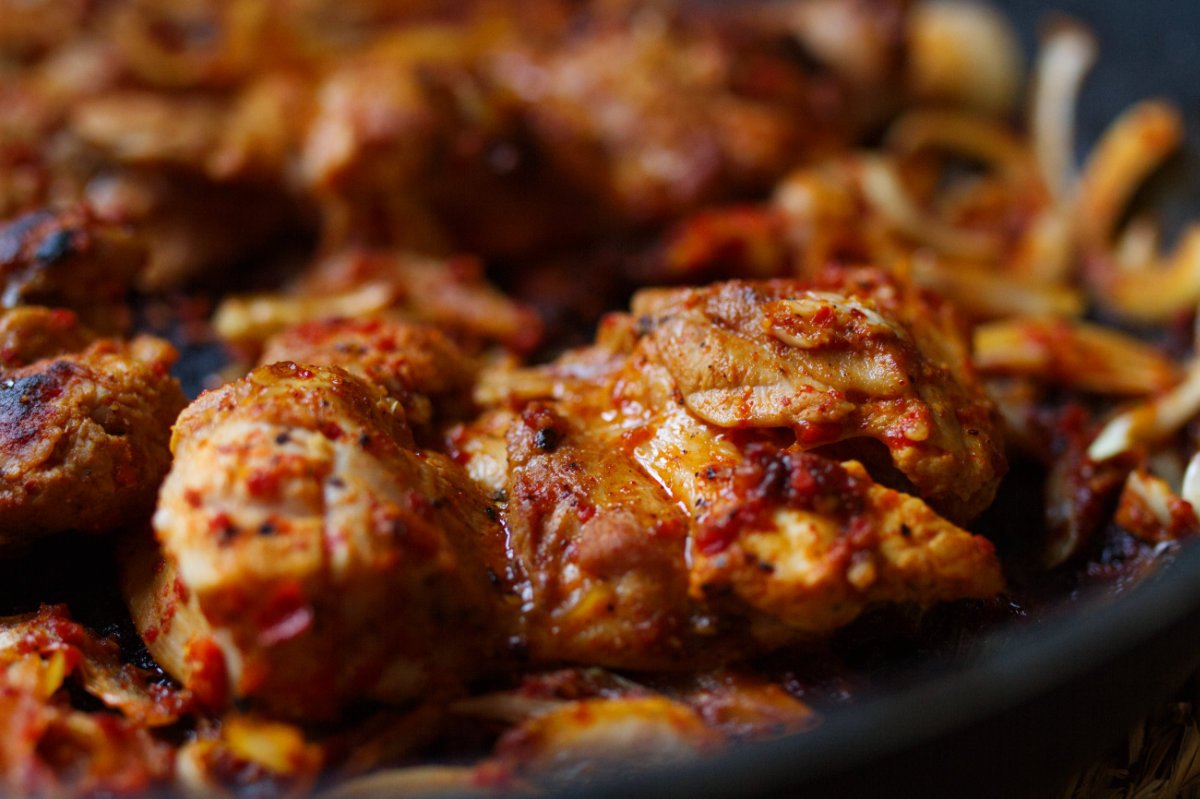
(264, 483)
(823, 317)
(208, 673)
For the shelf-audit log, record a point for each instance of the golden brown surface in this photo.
(301, 518)
(84, 438)
(646, 536)
(449, 533)
(848, 356)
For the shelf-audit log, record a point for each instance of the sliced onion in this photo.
(417, 781)
(1150, 421)
(1133, 146)
(1079, 355)
(253, 318)
(508, 706)
(985, 294)
(1137, 246)
(1046, 249)
(968, 134)
(964, 53)
(885, 192)
(1155, 292)
(1067, 53)
(1191, 482)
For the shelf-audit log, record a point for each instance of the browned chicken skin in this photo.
(601, 546)
(851, 355)
(602, 458)
(84, 438)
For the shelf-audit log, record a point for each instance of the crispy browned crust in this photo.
(84, 438)
(663, 492)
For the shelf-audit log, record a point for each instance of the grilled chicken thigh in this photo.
(658, 498)
(626, 506)
(851, 356)
(329, 559)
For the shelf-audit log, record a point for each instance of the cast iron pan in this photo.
(1042, 698)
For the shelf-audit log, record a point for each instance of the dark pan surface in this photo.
(1040, 699)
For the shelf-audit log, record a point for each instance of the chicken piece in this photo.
(327, 556)
(536, 125)
(852, 355)
(85, 438)
(604, 454)
(192, 228)
(70, 259)
(823, 540)
(30, 333)
(796, 543)
(602, 546)
(649, 149)
(807, 544)
(417, 365)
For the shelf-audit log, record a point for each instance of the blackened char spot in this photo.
(23, 400)
(547, 439)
